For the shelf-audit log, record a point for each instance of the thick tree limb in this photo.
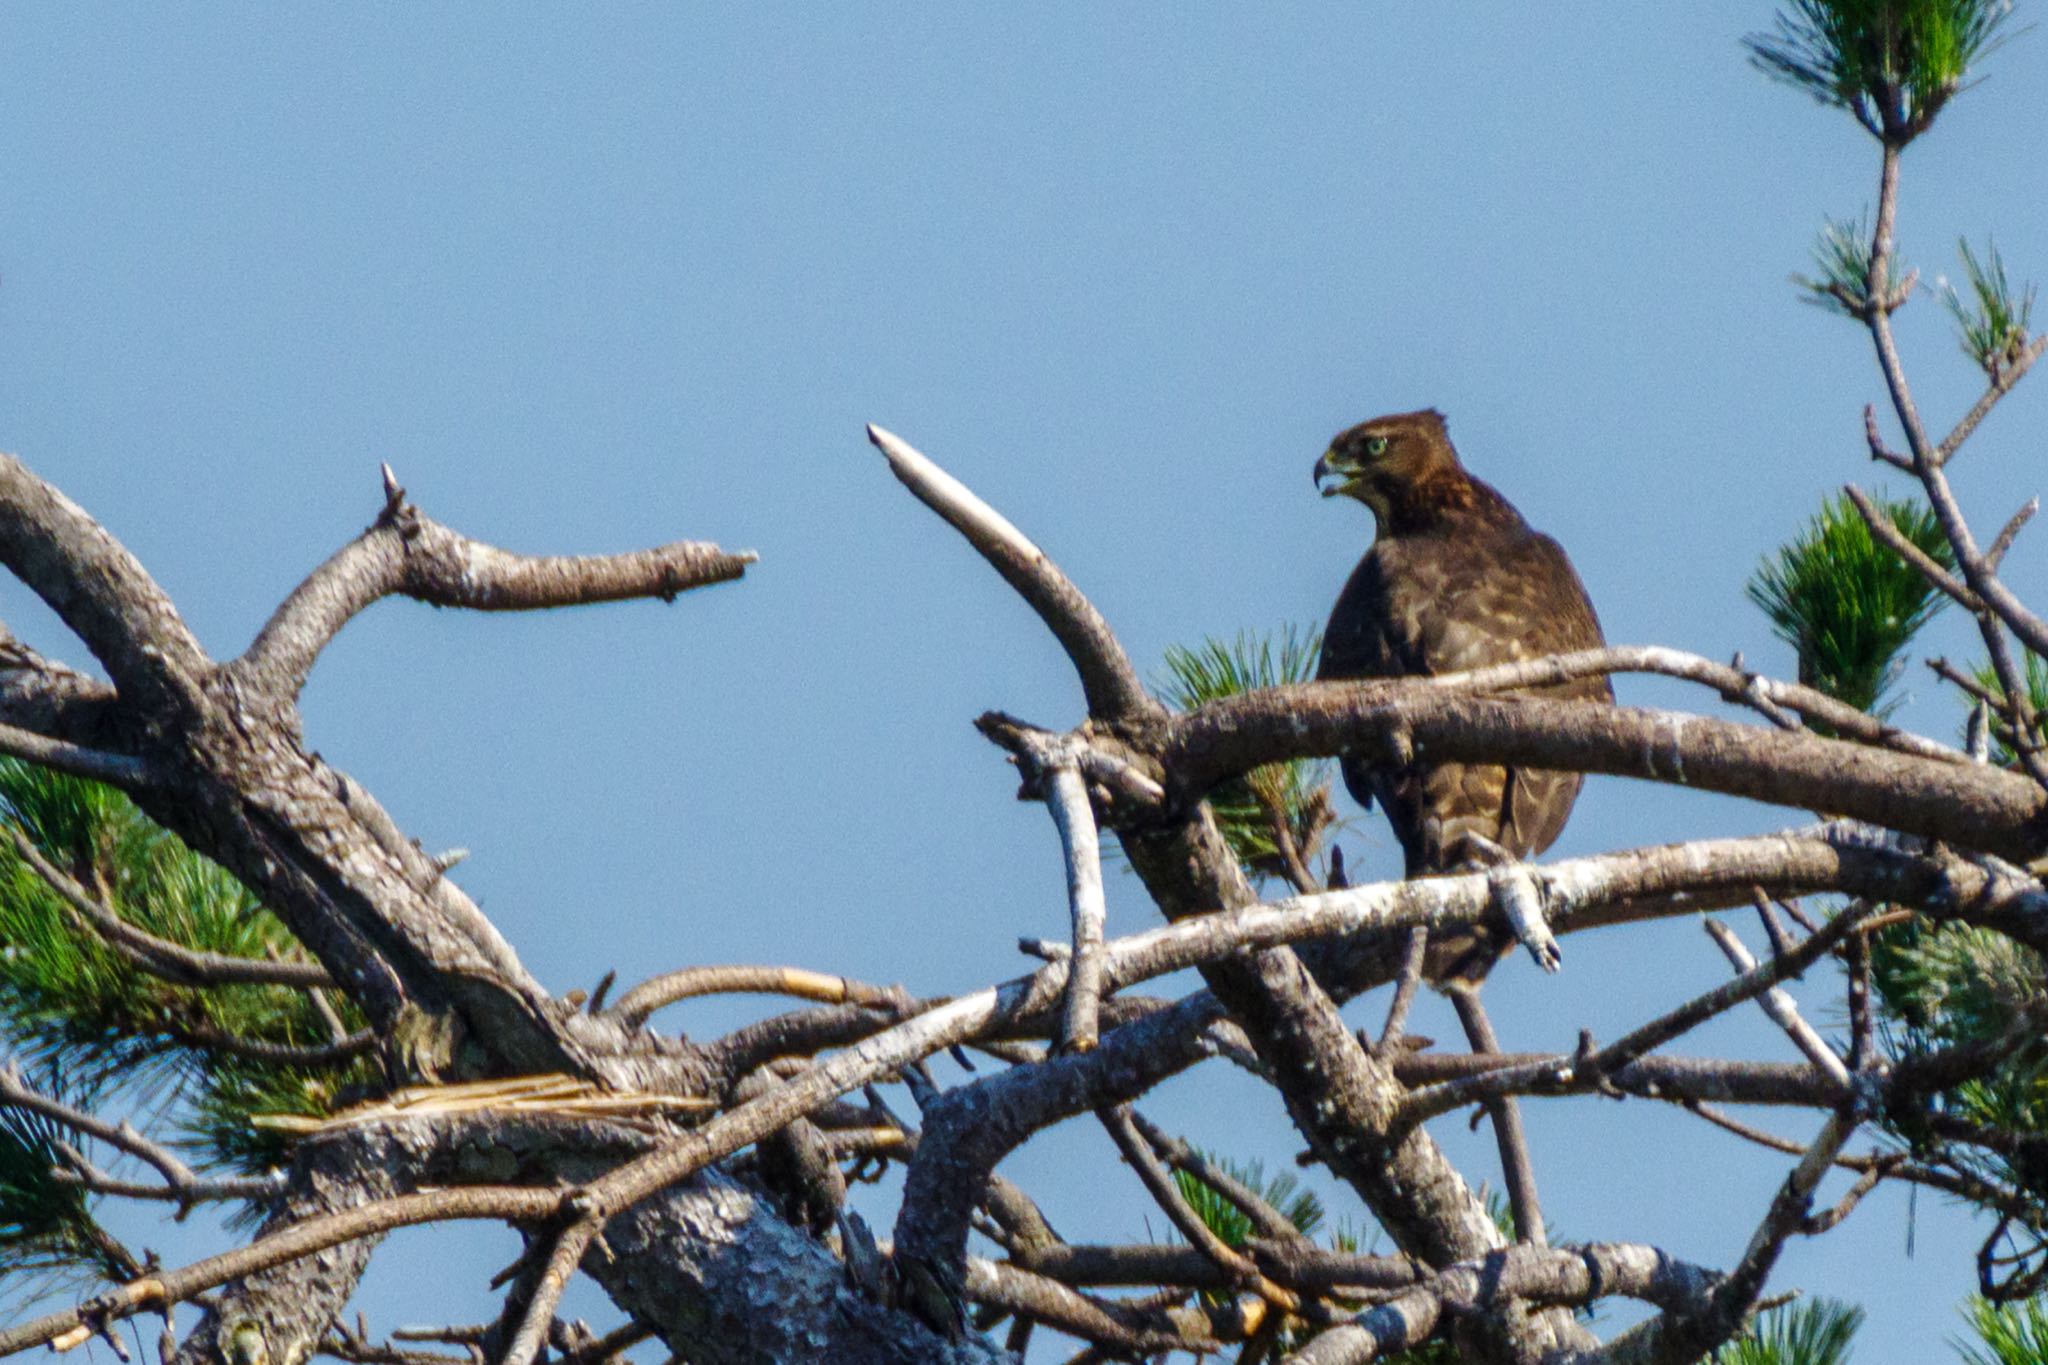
(99, 590)
(1966, 804)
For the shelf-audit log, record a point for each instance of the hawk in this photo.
(1455, 580)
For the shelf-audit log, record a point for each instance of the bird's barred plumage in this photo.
(1455, 580)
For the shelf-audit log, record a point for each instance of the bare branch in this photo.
(1269, 1221)
(1779, 1006)
(493, 1202)
(2002, 381)
(1565, 1275)
(405, 552)
(1881, 526)
(1875, 441)
(1044, 1300)
(119, 770)
(17, 1093)
(1066, 796)
(644, 999)
(1404, 991)
(1945, 799)
(1159, 1184)
(1517, 1170)
(1685, 1333)
(86, 1175)
(1108, 680)
(1995, 555)
(99, 590)
(546, 1291)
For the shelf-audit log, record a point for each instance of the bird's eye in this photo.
(1375, 445)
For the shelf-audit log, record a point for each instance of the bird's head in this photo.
(1379, 461)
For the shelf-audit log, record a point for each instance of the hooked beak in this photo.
(1328, 469)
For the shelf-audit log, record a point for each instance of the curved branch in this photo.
(1108, 680)
(101, 592)
(658, 992)
(406, 553)
(971, 1128)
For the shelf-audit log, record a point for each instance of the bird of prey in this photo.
(1455, 580)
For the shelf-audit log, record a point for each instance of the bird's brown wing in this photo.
(1436, 604)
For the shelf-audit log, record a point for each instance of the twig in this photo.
(1779, 1006)
(1297, 873)
(1875, 441)
(494, 1202)
(82, 1172)
(1995, 554)
(1590, 1071)
(1882, 528)
(1404, 991)
(2001, 384)
(1269, 1221)
(547, 1288)
(1159, 1184)
(17, 1093)
(202, 1035)
(1516, 1168)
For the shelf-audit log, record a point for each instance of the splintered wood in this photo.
(555, 1094)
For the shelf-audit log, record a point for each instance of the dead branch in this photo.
(1108, 680)
(669, 988)
(1779, 1006)
(408, 554)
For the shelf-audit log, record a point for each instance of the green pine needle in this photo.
(1940, 986)
(48, 1240)
(1810, 1332)
(1300, 790)
(1847, 603)
(1230, 1223)
(73, 1005)
(2006, 1333)
(1891, 63)
(1841, 256)
(1991, 326)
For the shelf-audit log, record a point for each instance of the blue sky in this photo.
(597, 279)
